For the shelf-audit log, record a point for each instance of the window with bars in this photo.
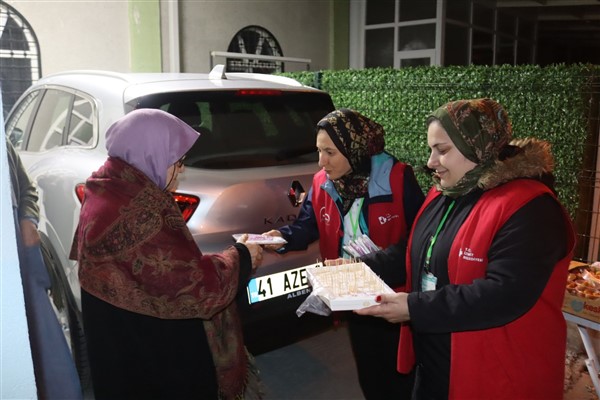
(20, 63)
(399, 33)
(258, 41)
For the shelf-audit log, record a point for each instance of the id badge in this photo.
(428, 282)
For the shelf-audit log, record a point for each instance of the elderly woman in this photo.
(361, 190)
(486, 265)
(159, 316)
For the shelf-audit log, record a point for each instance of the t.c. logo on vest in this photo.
(325, 217)
(386, 218)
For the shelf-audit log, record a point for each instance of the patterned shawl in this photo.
(136, 253)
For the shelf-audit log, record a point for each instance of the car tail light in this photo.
(258, 92)
(80, 192)
(187, 203)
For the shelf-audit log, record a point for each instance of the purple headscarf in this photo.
(150, 140)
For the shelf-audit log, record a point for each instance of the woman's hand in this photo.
(276, 246)
(254, 249)
(392, 307)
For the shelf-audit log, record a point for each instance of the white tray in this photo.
(348, 286)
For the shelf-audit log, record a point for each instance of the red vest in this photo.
(525, 358)
(387, 224)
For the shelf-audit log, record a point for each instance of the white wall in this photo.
(300, 26)
(79, 34)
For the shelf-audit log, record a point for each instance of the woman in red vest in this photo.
(486, 265)
(361, 190)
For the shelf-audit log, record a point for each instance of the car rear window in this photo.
(247, 128)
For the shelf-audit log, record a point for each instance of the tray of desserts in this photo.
(347, 286)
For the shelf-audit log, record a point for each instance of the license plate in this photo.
(278, 284)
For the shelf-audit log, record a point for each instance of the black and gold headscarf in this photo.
(358, 138)
(481, 130)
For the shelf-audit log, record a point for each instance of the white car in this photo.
(247, 173)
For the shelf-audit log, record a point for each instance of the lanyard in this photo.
(355, 221)
(435, 235)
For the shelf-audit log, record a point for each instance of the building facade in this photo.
(41, 37)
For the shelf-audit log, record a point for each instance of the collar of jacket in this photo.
(379, 178)
(533, 161)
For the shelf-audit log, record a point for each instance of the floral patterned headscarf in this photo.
(358, 138)
(480, 129)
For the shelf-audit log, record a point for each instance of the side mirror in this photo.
(16, 137)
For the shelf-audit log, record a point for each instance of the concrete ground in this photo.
(582, 389)
(321, 367)
(578, 384)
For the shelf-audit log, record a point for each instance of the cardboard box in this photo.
(582, 307)
(588, 308)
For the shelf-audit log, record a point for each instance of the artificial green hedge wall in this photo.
(551, 103)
